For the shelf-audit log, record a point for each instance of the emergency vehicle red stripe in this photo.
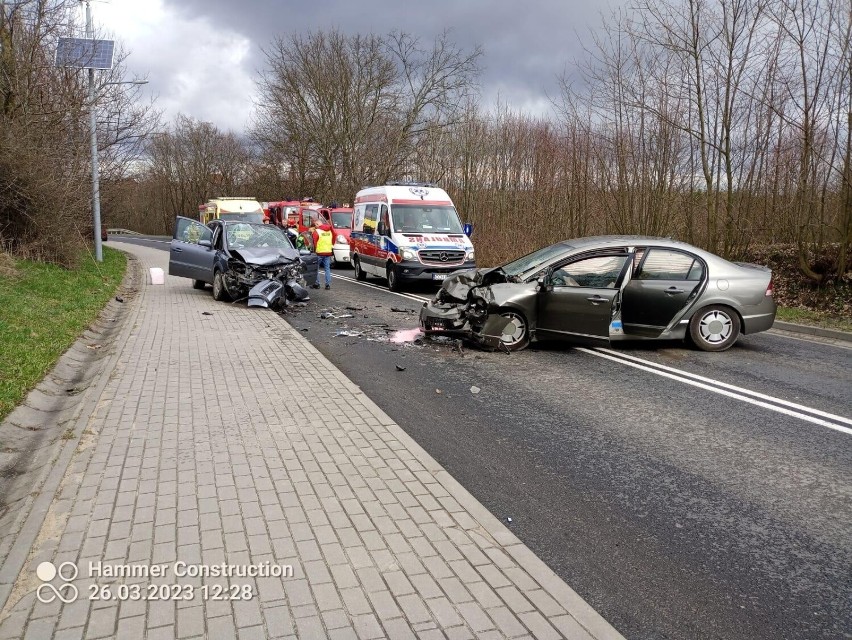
(428, 203)
(373, 198)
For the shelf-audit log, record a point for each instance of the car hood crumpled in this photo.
(263, 256)
(459, 284)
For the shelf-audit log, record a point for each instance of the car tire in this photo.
(394, 281)
(714, 328)
(198, 284)
(519, 337)
(220, 293)
(359, 272)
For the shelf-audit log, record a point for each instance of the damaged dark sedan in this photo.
(606, 289)
(242, 260)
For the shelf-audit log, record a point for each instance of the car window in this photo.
(416, 218)
(191, 231)
(371, 217)
(534, 260)
(241, 236)
(341, 220)
(599, 272)
(667, 264)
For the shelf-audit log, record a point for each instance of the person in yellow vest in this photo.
(323, 241)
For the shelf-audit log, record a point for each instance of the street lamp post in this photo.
(93, 126)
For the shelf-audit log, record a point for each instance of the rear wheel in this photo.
(198, 284)
(394, 283)
(359, 272)
(516, 335)
(714, 328)
(220, 294)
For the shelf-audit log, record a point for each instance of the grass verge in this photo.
(43, 308)
(813, 318)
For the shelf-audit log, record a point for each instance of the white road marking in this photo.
(725, 385)
(741, 394)
(370, 285)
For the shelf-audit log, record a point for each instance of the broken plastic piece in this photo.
(398, 368)
(475, 389)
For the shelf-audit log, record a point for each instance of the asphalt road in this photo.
(683, 494)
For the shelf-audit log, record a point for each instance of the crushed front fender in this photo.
(454, 319)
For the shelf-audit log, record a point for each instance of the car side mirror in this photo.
(544, 283)
(205, 243)
(467, 227)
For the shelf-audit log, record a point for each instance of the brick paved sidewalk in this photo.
(204, 449)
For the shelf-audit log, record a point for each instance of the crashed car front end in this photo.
(267, 278)
(242, 276)
(467, 305)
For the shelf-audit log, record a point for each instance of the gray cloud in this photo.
(525, 45)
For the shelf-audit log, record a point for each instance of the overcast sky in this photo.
(202, 57)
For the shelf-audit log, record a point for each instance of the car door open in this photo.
(188, 258)
(664, 283)
(578, 300)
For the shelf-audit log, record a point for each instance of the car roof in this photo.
(230, 223)
(648, 241)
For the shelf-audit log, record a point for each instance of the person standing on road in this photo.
(323, 240)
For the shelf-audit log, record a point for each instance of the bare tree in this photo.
(44, 179)
(189, 164)
(341, 111)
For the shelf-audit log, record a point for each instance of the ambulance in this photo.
(406, 232)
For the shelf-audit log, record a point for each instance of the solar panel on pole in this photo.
(85, 53)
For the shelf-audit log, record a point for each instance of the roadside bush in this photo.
(832, 298)
(44, 212)
(7, 265)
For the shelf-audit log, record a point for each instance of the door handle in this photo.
(177, 249)
(596, 299)
(673, 290)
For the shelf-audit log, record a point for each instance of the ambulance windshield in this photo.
(413, 218)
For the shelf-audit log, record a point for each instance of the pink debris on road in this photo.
(405, 335)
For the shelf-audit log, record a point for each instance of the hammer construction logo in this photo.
(65, 592)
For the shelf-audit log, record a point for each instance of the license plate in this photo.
(437, 324)
(439, 276)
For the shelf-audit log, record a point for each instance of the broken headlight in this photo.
(477, 309)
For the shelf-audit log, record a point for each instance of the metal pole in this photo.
(93, 125)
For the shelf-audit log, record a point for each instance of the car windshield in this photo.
(253, 216)
(533, 260)
(413, 218)
(341, 220)
(241, 236)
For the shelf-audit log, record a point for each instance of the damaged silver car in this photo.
(241, 260)
(605, 289)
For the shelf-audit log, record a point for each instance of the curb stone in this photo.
(835, 334)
